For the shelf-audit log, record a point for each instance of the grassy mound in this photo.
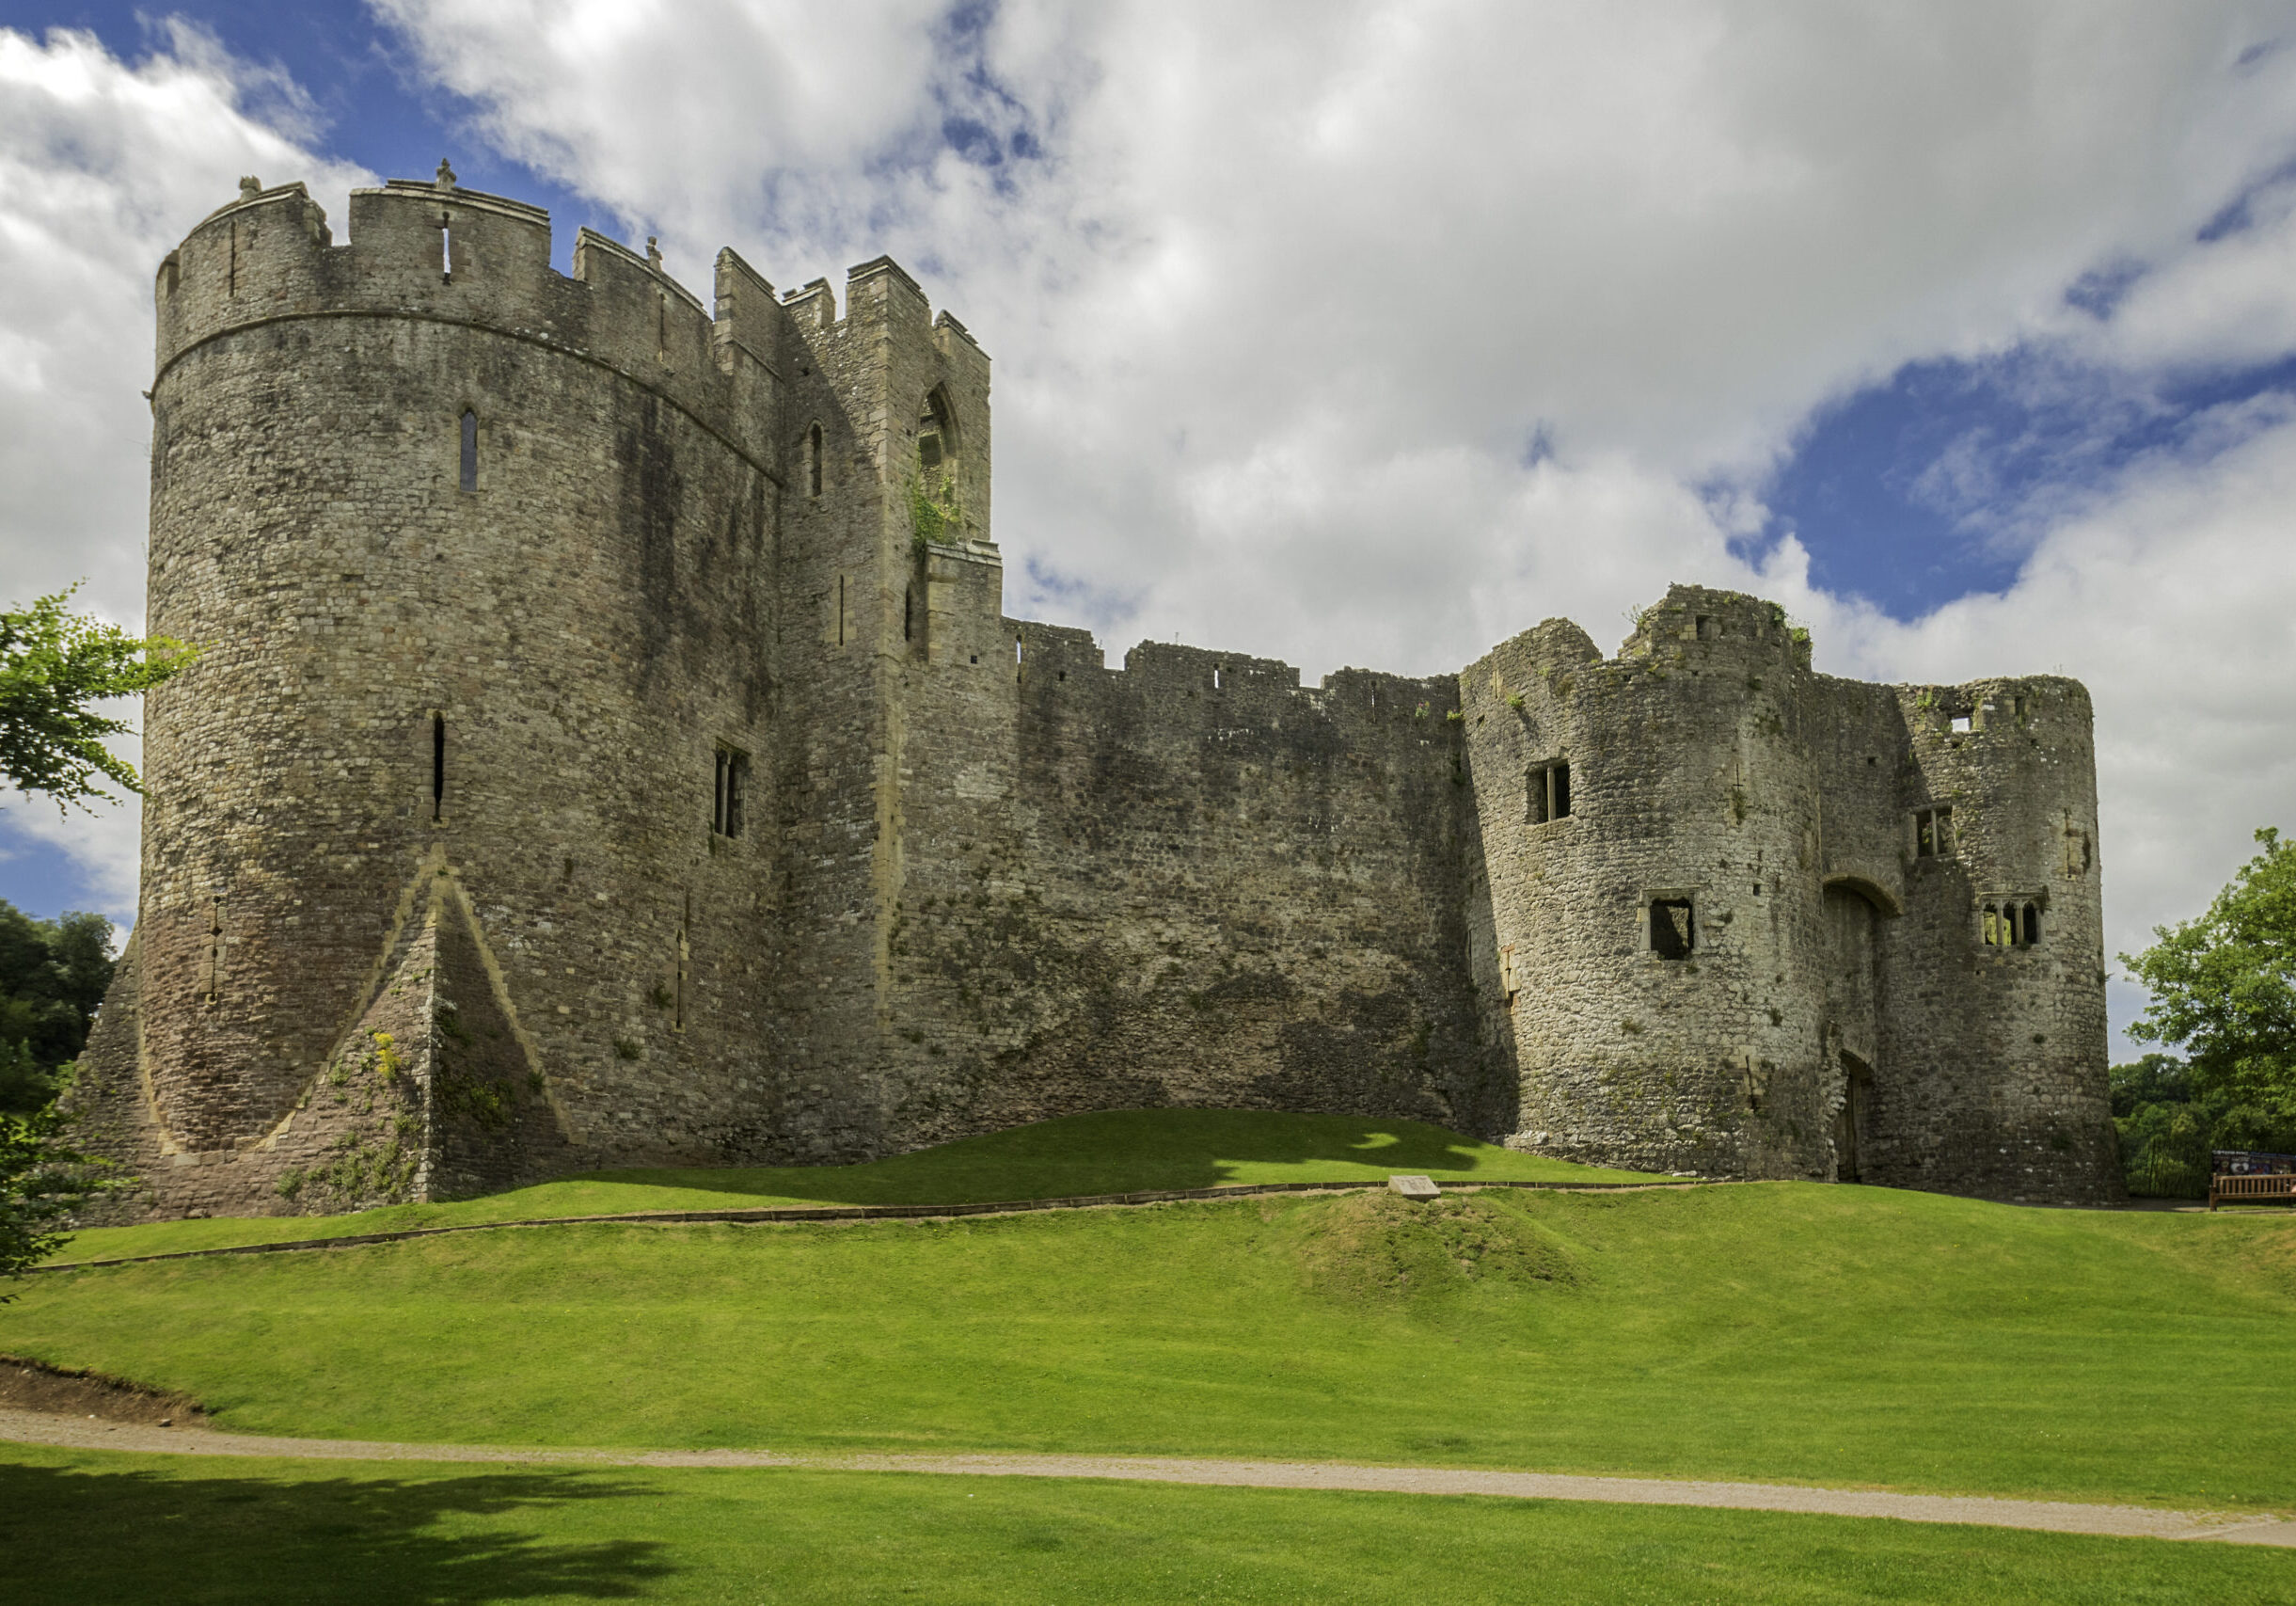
(1381, 1248)
(1778, 1331)
(1106, 1151)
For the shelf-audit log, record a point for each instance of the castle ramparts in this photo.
(611, 749)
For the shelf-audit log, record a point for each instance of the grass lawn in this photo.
(1778, 1331)
(1109, 1152)
(84, 1528)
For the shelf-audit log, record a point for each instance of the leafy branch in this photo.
(55, 664)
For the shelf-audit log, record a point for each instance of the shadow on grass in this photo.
(76, 1535)
(1104, 1152)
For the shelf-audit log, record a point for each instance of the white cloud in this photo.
(1292, 290)
(2172, 597)
(1370, 332)
(104, 166)
(2219, 303)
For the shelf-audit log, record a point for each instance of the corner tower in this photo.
(484, 560)
(1745, 920)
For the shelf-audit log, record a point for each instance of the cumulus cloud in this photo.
(1372, 331)
(1252, 275)
(2172, 596)
(104, 166)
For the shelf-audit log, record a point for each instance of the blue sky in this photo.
(1967, 333)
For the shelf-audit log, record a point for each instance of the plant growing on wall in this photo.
(933, 514)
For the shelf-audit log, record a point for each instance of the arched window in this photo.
(813, 460)
(937, 445)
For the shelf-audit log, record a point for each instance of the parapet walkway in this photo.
(2055, 1517)
(850, 1212)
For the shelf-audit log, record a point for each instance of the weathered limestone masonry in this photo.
(611, 749)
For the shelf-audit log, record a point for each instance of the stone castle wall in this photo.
(973, 875)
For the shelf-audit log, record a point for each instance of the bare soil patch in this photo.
(31, 1386)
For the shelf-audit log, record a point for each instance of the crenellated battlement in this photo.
(439, 253)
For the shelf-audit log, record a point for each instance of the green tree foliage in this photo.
(55, 668)
(54, 665)
(53, 976)
(42, 1180)
(2223, 988)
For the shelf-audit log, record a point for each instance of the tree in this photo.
(42, 1180)
(54, 665)
(53, 976)
(2223, 988)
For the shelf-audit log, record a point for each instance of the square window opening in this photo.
(1673, 927)
(1549, 789)
(1933, 833)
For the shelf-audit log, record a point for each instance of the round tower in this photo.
(480, 558)
(1997, 967)
(1649, 829)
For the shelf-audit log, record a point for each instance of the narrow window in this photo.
(813, 459)
(1215, 678)
(438, 766)
(841, 610)
(2033, 925)
(445, 251)
(1706, 628)
(1016, 651)
(214, 950)
(1989, 927)
(1549, 786)
(909, 609)
(685, 954)
(471, 450)
(1672, 931)
(1506, 971)
(726, 811)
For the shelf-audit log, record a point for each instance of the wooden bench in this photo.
(2260, 1189)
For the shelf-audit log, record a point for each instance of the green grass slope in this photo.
(84, 1529)
(1778, 1331)
(1108, 1152)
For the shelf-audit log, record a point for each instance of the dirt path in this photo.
(2131, 1521)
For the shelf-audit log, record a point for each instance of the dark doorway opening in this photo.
(1852, 1122)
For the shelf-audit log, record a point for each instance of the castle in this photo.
(610, 750)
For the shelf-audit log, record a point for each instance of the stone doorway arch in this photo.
(1852, 1122)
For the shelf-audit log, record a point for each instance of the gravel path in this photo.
(2057, 1517)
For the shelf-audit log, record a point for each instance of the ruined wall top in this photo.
(432, 250)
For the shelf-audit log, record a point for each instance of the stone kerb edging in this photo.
(767, 1213)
